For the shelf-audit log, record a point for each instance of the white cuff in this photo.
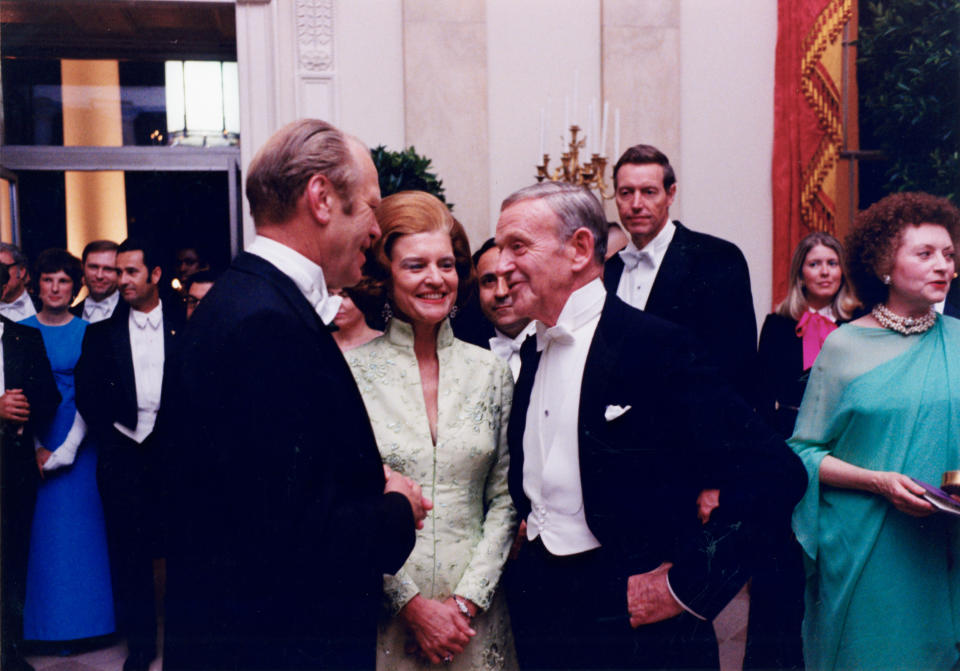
(67, 452)
(682, 604)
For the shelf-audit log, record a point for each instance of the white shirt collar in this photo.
(106, 306)
(307, 275)
(153, 319)
(826, 311)
(656, 247)
(583, 307)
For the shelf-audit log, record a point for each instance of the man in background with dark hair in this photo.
(120, 380)
(692, 279)
(99, 262)
(510, 329)
(16, 303)
(195, 288)
(28, 398)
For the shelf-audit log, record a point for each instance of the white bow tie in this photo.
(504, 346)
(143, 320)
(633, 257)
(558, 334)
(21, 302)
(93, 308)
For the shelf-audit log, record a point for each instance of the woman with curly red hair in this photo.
(881, 412)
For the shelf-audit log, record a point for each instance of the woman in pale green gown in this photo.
(883, 407)
(439, 409)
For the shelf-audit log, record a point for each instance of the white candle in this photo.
(576, 92)
(603, 132)
(546, 125)
(594, 126)
(616, 134)
(588, 129)
(566, 122)
(543, 137)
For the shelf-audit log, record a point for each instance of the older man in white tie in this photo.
(616, 426)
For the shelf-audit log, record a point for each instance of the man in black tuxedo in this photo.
(283, 517)
(692, 279)
(29, 398)
(99, 261)
(122, 392)
(617, 424)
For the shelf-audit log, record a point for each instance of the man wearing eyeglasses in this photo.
(197, 286)
(15, 303)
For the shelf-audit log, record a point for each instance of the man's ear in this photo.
(319, 198)
(581, 244)
(155, 275)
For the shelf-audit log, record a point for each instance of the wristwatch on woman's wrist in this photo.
(462, 605)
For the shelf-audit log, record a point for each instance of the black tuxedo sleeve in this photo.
(39, 385)
(759, 477)
(93, 384)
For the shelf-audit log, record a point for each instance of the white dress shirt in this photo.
(939, 307)
(307, 275)
(551, 460)
(97, 311)
(508, 348)
(18, 309)
(146, 344)
(641, 266)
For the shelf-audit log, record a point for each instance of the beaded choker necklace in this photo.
(905, 325)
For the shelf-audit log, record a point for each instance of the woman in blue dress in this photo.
(882, 407)
(68, 575)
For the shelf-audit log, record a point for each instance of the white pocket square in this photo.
(614, 411)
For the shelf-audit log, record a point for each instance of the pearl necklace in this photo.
(905, 325)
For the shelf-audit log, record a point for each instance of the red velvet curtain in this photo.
(808, 130)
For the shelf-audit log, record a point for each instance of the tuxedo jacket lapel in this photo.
(670, 276)
(612, 271)
(529, 361)
(123, 361)
(599, 368)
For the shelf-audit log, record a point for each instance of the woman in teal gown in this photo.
(883, 407)
(68, 576)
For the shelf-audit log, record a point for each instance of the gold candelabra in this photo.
(572, 171)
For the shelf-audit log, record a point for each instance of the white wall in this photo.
(727, 77)
(533, 49)
(369, 68)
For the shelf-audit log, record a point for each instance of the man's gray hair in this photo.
(19, 257)
(575, 206)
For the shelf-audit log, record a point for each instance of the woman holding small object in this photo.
(881, 409)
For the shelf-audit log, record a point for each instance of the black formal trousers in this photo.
(127, 471)
(280, 531)
(26, 367)
(640, 476)
(703, 284)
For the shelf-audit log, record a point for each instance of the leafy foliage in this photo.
(406, 171)
(909, 81)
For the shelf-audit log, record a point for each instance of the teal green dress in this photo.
(883, 588)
